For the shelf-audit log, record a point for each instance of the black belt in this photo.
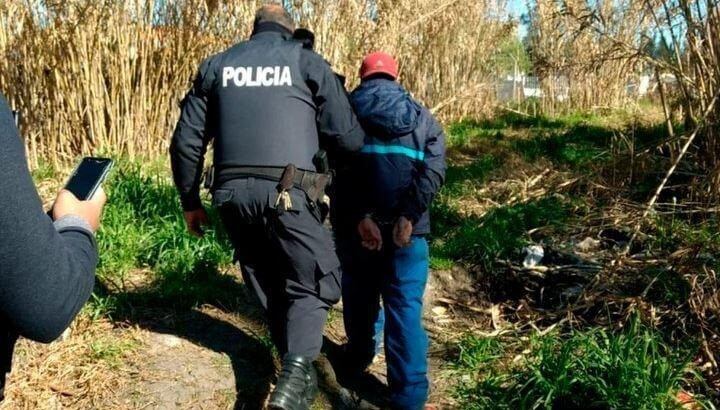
(304, 180)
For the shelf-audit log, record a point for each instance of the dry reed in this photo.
(107, 77)
(579, 66)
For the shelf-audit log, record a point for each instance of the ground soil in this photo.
(206, 357)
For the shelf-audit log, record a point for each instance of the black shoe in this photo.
(297, 385)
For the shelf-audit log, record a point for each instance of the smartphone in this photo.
(88, 176)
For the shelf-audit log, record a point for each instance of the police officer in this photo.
(270, 105)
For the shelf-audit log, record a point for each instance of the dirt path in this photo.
(155, 357)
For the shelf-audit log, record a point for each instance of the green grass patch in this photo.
(44, 171)
(672, 233)
(143, 228)
(461, 180)
(464, 133)
(575, 145)
(497, 235)
(594, 369)
(111, 350)
(440, 263)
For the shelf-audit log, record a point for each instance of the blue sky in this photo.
(518, 8)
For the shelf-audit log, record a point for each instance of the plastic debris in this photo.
(533, 256)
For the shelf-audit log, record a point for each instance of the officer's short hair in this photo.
(274, 12)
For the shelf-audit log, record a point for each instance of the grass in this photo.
(143, 228)
(111, 350)
(461, 179)
(634, 368)
(497, 235)
(593, 369)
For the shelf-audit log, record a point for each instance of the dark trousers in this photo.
(287, 258)
(398, 277)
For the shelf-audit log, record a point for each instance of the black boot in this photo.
(297, 385)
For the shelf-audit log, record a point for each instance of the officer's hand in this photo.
(370, 234)
(195, 220)
(90, 210)
(402, 233)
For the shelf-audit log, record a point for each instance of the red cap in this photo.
(379, 63)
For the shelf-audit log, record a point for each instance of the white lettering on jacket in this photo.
(257, 76)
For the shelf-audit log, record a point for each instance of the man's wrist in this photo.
(410, 217)
(191, 203)
(72, 222)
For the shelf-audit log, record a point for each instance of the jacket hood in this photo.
(385, 107)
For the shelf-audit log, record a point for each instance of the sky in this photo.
(517, 9)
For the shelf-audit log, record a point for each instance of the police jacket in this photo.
(402, 165)
(266, 102)
(47, 270)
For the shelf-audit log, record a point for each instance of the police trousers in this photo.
(397, 277)
(287, 258)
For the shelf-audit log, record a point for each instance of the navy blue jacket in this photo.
(402, 165)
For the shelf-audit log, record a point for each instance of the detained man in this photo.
(382, 204)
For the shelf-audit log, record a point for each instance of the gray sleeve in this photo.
(73, 223)
(47, 271)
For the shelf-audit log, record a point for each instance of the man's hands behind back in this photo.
(370, 234)
(402, 233)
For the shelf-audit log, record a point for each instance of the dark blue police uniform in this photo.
(267, 103)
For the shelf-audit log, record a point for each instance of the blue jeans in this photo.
(399, 277)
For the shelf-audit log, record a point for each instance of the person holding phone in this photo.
(47, 265)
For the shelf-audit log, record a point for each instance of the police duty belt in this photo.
(312, 183)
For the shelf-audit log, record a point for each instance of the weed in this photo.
(439, 263)
(498, 234)
(143, 227)
(101, 306)
(111, 351)
(631, 369)
(476, 352)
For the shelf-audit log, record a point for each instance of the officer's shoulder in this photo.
(211, 62)
(314, 59)
(217, 59)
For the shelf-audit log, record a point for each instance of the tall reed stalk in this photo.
(107, 76)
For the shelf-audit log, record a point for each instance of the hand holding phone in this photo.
(88, 177)
(83, 195)
(91, 210)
